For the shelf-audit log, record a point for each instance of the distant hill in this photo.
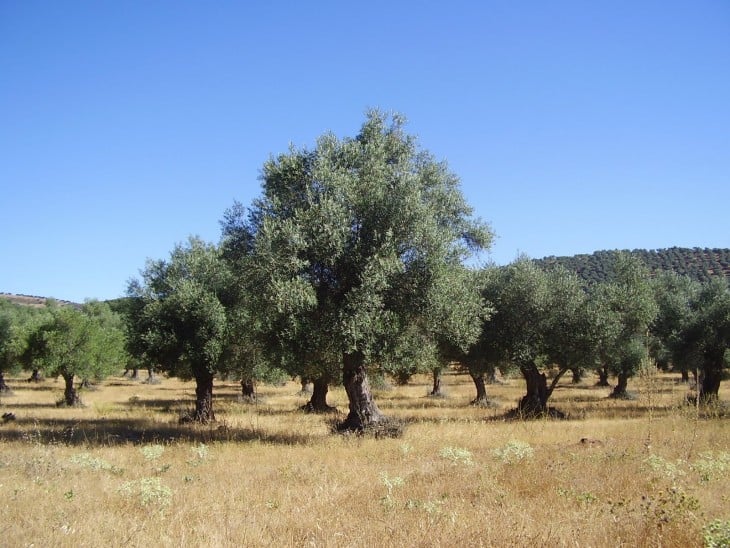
(698, 263)
(33, 300)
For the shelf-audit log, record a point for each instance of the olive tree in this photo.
(88, 343)
(626, 303)
(353, 240)
(180, 321)
(693, 326)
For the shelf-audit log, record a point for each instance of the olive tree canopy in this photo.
(353, 241)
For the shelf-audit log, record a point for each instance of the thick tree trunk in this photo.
(70, 395)
(248, 389)
(363, 410)
(685, 376)
(603, 377)
(204, 399)
(619, 391)
(709, 384)
(480, 385)
(534, 402)
(436, 390)
(35, 376)
(318, 402)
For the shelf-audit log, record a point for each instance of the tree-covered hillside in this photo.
(697, 263)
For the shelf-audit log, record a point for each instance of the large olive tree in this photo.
(353, 240)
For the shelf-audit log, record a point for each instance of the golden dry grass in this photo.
(122, 472)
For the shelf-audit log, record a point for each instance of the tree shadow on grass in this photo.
(115, 432)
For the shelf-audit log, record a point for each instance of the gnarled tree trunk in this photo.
(480, 385)
(70, 395)
(203, 398)
(248, 389)
(35, 376)
(619, 391)
(436, 389)
(4, 388)
(363, 410)
(603, 377)
(709, 384)
(318, 402)
(534, 402)
(577, 375)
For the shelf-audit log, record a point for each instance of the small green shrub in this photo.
(457, 455)
(514, 451)
(149, 491)
(716, 534)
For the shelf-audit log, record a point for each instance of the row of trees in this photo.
(352, 263)
(61, 340)
(701, 264)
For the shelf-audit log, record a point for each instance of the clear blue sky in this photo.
(126, 126)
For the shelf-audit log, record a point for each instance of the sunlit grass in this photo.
(123, 471)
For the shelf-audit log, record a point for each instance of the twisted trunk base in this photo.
(364, 413)
(318, 401)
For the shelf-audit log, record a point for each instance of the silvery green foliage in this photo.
(86, 460)
(148, 491)
(358, 240)
(457, 455)
(181, 324)
(665, 468)
(712, 465)
(716, 534)
(514, 451)
(152, 452)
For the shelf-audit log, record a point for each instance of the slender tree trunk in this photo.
(603, 377)
(35, 376)
(204, 398)
(86, 384)
(577, 375)
(70, 395)
(248, 389)
(619, 391)
(534, 402)
(436, 390)
(318, 402)
(480, 385)
(709, 384)
(151, 377)
(363, 410)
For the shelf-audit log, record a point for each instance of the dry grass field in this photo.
(121, 471)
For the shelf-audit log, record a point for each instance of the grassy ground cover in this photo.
(121, 471)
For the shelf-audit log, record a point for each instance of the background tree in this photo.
(514, 333)
(14, 324)
(353, 239)
(694, 326)
(674, 296)
(182, 323)
(628, 306)
(87, 343)
(570, 326)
